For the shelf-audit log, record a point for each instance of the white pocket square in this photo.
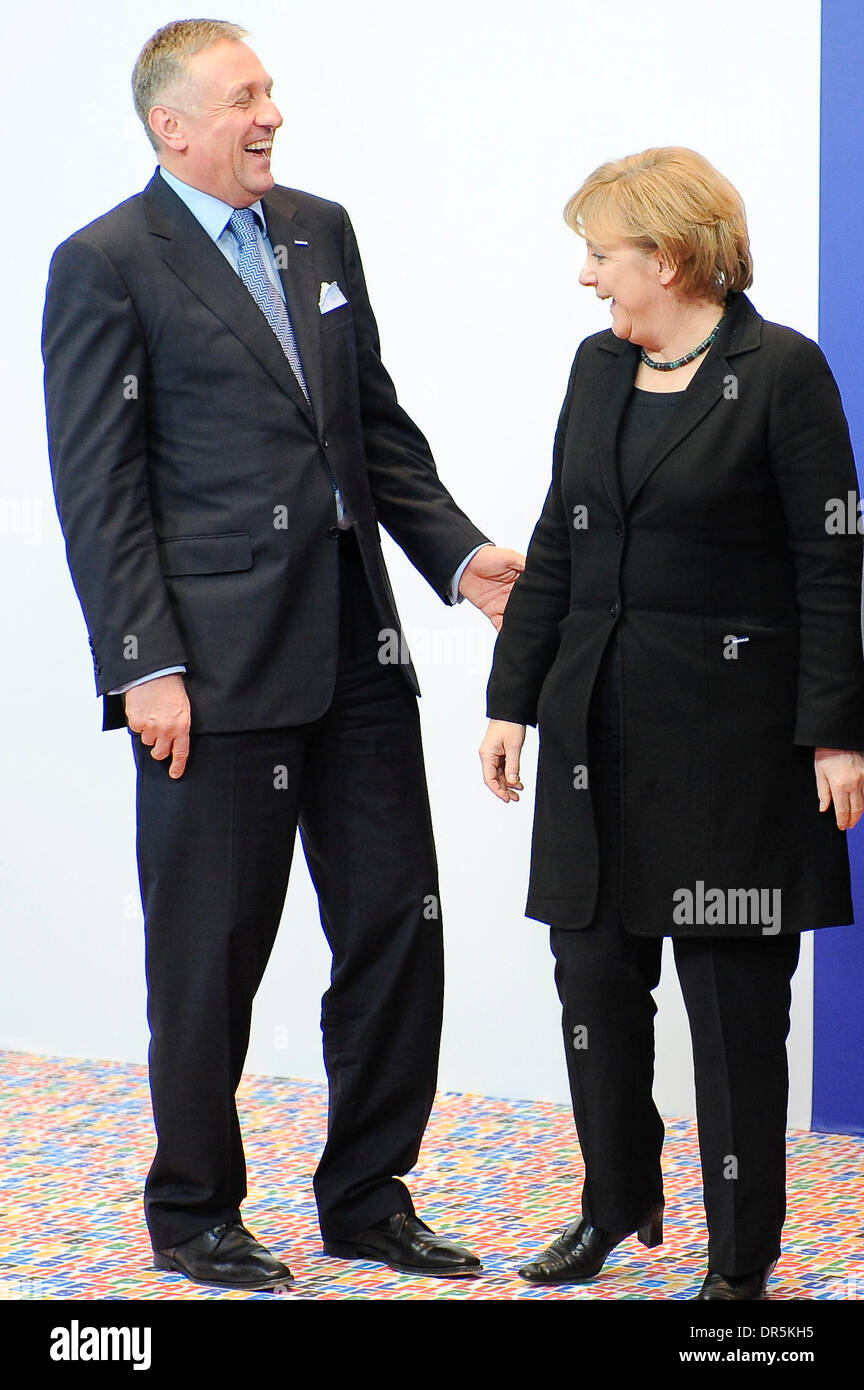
(330, 297)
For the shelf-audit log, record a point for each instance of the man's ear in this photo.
(167, 126)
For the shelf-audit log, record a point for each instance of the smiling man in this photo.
(224, 442)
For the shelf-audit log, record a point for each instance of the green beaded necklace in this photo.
(688, 357)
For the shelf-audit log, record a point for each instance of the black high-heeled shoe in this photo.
(732, 1288)
(581, 1251)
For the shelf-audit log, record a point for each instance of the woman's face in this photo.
(634, 280)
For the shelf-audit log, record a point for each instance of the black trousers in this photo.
(737, 995)
(214, 854)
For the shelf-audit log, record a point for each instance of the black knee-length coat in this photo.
(733, 579)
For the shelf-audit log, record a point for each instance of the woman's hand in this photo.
(499, 755)
(840, 778)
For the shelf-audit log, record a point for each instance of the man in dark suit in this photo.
(224, 441)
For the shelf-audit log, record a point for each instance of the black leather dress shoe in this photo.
(226, 1257)
(409, 1246)
(732, 1288)
(581, 1251)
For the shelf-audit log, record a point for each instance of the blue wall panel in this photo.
(838, 1044)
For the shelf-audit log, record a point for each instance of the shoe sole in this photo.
(359, 1252)
(564, 1279)
(165, 1263)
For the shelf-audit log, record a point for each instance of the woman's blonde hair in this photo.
(670, 199)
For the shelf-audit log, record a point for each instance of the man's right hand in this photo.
(159, 711)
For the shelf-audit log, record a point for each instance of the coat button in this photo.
(619, 529)
(615, 608)
(333, 532)
(325, 443)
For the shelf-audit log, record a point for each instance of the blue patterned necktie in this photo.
(253, 273)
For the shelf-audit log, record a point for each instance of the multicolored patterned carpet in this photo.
(504, 1176)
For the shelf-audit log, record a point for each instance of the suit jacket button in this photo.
(615, 608)
(619, 529)
(333, 531)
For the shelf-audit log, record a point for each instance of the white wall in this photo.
(454, 134)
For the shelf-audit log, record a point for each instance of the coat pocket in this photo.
(340, 317)
(220, 554)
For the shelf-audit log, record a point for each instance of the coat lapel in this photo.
(613, 393)
(196, 259)
(294, 250)
(740, 331)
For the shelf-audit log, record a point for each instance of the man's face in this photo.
(225, 122)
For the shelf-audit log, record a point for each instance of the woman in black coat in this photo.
(687, 638)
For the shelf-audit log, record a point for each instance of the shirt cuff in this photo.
(453, 592)
(154, 675)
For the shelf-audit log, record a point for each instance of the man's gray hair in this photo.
(161, 62)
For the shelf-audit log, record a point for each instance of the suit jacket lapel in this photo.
(613, 393)
(294, 250)
(740, 331)
(196, 259)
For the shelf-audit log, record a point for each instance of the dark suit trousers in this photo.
(214, 853)
(737, 996)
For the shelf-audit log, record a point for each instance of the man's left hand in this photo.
(487, 580)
